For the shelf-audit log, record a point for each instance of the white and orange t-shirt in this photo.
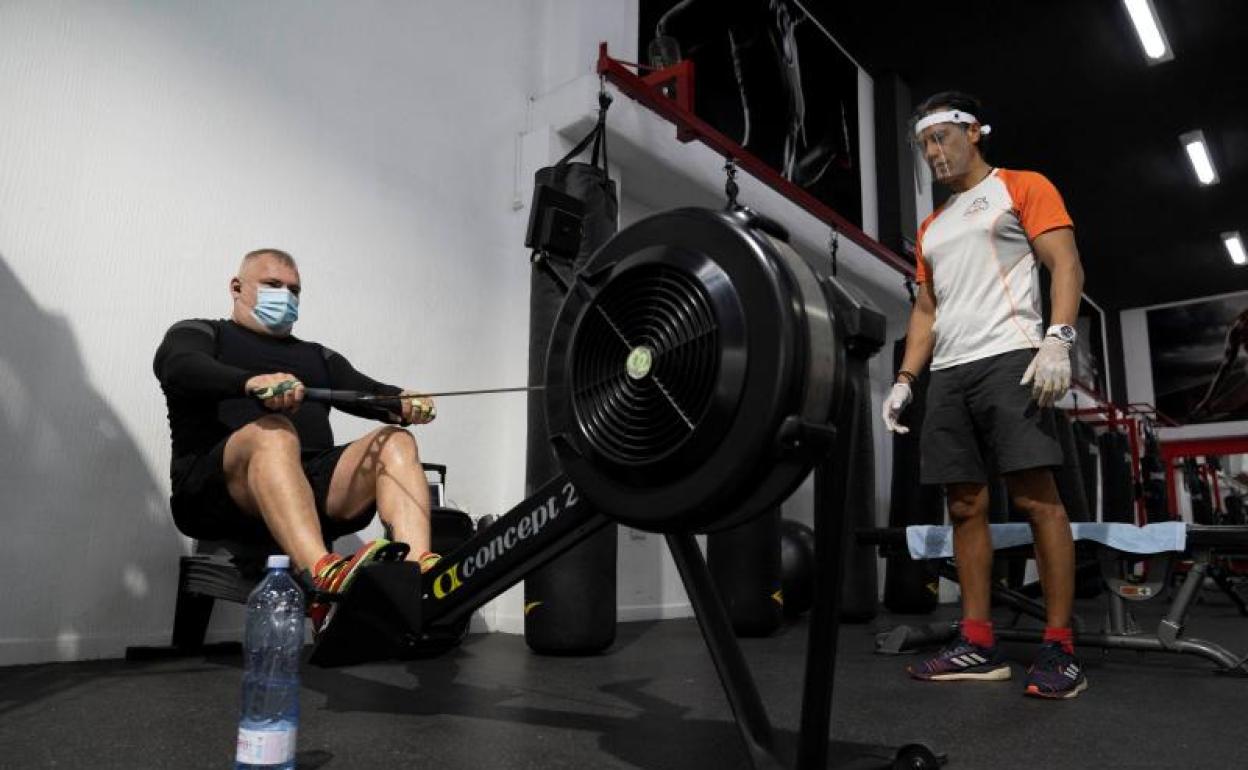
(976, 251)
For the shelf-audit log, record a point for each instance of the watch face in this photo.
(1065, 333)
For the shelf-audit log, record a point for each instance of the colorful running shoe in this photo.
(961, 660)
(1056, 674)
(334, 574)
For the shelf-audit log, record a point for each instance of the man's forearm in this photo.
(1066, 292)
(919, 341)
(344, 376)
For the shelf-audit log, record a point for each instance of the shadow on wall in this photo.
(89, 554)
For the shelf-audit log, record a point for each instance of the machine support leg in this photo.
(830, 534)
(747, 706)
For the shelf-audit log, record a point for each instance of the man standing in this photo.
(252, 462)
(977, 319)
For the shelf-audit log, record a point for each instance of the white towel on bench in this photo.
(936, 542)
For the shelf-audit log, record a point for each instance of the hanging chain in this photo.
(730, 186)
(604, 97)
(834, 243)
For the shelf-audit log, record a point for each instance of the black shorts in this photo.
(979, 418)
(203, 509)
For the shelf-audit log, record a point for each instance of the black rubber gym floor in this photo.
(653, 702)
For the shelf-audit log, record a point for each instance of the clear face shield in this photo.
(940, 146)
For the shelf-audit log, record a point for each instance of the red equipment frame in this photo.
(679, 112)
(1174, 450)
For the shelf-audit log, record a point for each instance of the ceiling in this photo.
(1067, 89)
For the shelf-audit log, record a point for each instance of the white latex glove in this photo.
(1049, 372)
(894, 402)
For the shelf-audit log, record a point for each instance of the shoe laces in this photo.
(959, 644)
(1052, 656)
(323, 578)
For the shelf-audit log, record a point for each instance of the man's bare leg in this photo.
(972, 547)
(384, 466)
(1034, 492)
(265, 477)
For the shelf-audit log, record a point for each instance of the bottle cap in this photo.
(280, 561)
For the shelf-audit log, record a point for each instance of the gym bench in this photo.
(1203, 545)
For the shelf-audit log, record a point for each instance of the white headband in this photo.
(948, 116)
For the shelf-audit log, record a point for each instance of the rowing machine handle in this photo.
(342, 397)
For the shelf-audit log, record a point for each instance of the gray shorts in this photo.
(979, 420)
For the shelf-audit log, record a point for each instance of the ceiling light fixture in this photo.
(1148, 28)
(1198, 153)
(1235, 247)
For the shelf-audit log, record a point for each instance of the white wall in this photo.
(390, 147)
(145, 147)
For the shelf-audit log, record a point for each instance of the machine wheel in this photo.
(917, 756)
(688, 356)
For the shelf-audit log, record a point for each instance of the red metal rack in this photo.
(1196, 447)
(678, 110)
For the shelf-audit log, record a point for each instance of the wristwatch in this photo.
(1064, 332)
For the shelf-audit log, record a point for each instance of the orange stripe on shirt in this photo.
(923, 271)
(1038, 203)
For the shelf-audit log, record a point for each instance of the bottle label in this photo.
(265, 747)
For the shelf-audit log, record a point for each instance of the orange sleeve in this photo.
(1037, 201)
(921, 270)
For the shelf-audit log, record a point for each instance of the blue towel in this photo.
(935, 542)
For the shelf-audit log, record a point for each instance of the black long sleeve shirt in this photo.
(203, 365)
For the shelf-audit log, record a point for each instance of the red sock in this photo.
(978, 632)
(1064, 636)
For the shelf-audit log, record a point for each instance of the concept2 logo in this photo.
(526, 526)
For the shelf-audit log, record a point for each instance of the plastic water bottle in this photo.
(271, 648)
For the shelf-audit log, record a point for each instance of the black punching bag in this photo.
(911, 586)
(863, 330)
(1069, 476)
(1199, 492)
(1085, 446)
(1153, 475)
(1117, 485)
(570, 603)
(744, 562)
(1072, 488)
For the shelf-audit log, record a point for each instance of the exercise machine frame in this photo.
(554, 519)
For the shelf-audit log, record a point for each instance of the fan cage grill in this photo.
(639, 420)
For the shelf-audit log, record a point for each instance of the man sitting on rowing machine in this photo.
(253, 462)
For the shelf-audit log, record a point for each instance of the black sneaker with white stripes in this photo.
(961, 660)
(1055, 674)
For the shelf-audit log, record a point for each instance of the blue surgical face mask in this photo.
(276, 309)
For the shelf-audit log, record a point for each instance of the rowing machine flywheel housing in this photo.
(687, 351)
